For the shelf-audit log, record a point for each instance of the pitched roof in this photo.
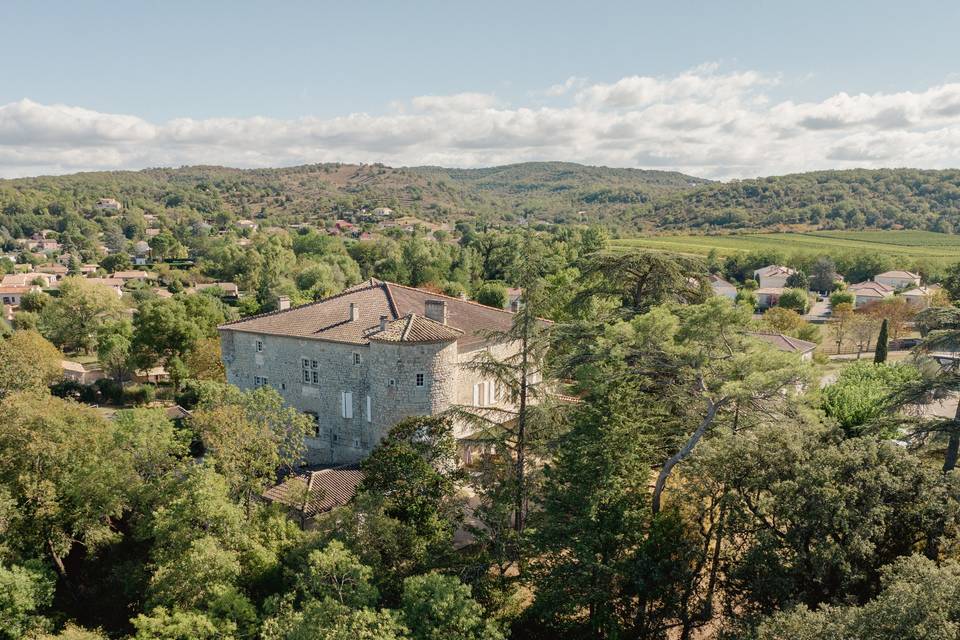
(414, 328)
(785, 343)
(871, 289)
(774, 269)
(898, 274)
(769, 291)
(329, 319)
(313, 492)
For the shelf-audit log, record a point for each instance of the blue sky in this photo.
(233, 82)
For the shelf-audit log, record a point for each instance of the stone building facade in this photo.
(364, 359)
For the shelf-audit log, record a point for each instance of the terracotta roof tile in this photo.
(415, 328)
(313, 492)
(329, 319)
(785, 343)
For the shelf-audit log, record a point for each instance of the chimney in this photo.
(383, 323)
(283, 303)
(354, 312)
(436, 310)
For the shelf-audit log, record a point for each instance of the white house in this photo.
(898, 279)
(867, 292)
(767, 296)
(773, 276)
(920, 297)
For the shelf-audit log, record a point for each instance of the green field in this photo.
(909, 246)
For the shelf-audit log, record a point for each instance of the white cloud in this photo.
(703, 121)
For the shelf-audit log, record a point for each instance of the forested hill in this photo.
(853, 199)
(551, 191)
(628, 200)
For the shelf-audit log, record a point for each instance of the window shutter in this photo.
(348, 404)
(476, 395)
(369, 412)
(491, 392)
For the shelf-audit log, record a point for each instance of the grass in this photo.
(908, 246)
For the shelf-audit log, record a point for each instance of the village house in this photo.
(56, 271)
(311, 492)
(898, 279)
(229, 289)
(247, 224)
(364, 359)
(135, 275)
(767, 297)
(79, 373)
(773, 276)
(867, 292)
(108, 204)
(141, 253)
(41, 246)
(921, 297)
(721, 287)
(26, 279)
(114, 284)
(788, 344)
(11, 294)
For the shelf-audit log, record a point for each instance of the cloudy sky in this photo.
(720, 89)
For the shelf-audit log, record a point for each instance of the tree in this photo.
(859, 398)
(336, 574)
(438, 607)
(862, 330)
(880, 356)
(73, 319)
(823, 274)
(801, 508)
(896, 310)
(840, 322)
(114, 350)
(249, 435)
(798, 280)
(842, 297)
(917, 601)
(511, 424)
(795, 299)
(492, 294)
(61, 465)
(28, 362)
(204, 361)
(605, 566)
(25, 590)
(415, 469)
(642, 280)
(116, 262)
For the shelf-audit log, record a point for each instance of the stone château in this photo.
(363, 359)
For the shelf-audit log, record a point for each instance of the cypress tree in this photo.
(880, 355)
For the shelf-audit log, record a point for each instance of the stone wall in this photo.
(386, 373)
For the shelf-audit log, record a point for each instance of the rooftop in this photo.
(330, 319)
(313, 492)
(785, 343)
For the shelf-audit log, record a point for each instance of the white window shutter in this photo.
(343, 404)
(491, 392)
(369, 412)
(476, 395)
(348, 403)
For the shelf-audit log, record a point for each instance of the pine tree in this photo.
(880, 355)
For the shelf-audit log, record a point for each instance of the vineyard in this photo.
(908, 247)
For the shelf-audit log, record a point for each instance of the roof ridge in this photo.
(406, 329)
(443, 295)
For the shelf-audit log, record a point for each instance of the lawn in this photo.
(911, 246)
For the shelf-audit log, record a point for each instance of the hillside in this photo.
(854, 199)
(552, 191)
(627, 200)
